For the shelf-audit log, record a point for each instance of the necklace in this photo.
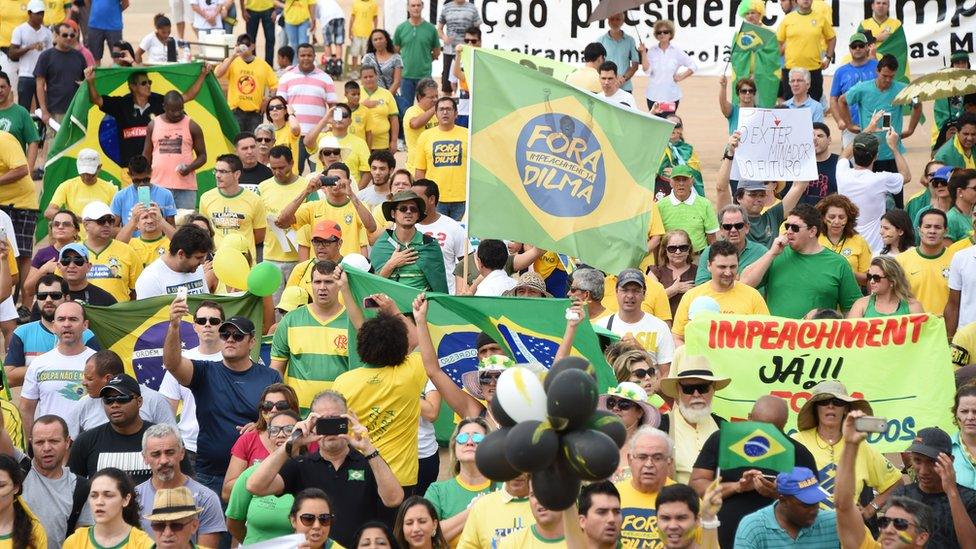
(829, 448)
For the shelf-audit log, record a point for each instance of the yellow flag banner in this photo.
(899, 364)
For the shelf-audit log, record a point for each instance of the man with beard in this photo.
(163, 450)
(691, 421)
(75, 265)
(382, 164)
(651, 459)
(795, 519)
(632, 322)
(36, 338)
(407, 255)
(58, 497)
(180, 267)
(100, 369)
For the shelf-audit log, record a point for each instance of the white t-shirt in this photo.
(25, 35)
(210, 7)
(962, 277)
(171, 389)
(158, 279)
(495, 284)
(371, 198)
(426, 438)
(154, 51)
(651, 332)
(622, 96)
(464, 97)
(329, 10)
(54, 381)
(867, 189)
(451, 236)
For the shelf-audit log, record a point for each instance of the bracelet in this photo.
(725, 156)
(375, 454)
(711, 524)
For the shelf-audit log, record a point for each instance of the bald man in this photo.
(175, 148)
(745, 490)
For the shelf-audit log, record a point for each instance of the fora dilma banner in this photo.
(558, 28)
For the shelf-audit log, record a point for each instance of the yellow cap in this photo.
(292, 298)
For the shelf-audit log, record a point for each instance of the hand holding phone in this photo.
(870, 424)
(885, 121)
(331, 426)
(370, 303)
(181, 293)
(143, 195)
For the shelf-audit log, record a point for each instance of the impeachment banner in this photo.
(557, 28)
(900, 364)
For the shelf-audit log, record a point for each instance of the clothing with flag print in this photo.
(952, 153)
(755, 54)
(316, 351)
(895, 44)
(683, 154)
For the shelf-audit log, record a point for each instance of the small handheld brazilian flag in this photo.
(754, 445)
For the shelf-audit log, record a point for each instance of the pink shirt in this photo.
(172, 146)
(249, 448)
(308, 94)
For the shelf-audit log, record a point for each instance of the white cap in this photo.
(95, 210)
(35, 6)
(88, 159)
(357, 261)
(329, 142)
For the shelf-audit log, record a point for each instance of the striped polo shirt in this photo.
(316, 349)
(761, 530)
(308, 94)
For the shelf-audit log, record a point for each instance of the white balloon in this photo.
(521, 394)
(357, 261)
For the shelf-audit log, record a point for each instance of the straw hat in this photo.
(636, 394)
(692, 367)
(173, 504)
(826, 390)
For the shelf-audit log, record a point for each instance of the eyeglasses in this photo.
(654, 458)
(641, 373)
(408, 209)
(58, 224)
(144, 83)
(471, 41)
(747, 90)
(680, 248)
(875, 278)
(264, 139)
(77, 261)
(236, 336)
(730, 226)
(900, 524)
(660, 32)
(220, 171)
(330, 152)
(835, 402)
(68, 35)
(464, 438)
(700, 388)
(175, 527)
(574, 289)
(104, 220)
(118, 399)
(140, 180)
(488, 377)
(793, 227)
(309, 519)
(278, 107)
(42, 296)
(281, 405)
(204, 320)
(621, 404)
(276, 430)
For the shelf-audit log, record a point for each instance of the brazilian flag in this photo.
(897, 45)
(85, 126)
(135, 330)
(755, 54)
(754, 445)
(559, 168)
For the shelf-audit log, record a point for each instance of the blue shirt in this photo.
(869, 99)
(623, 52)
(760, 530)
(734, 119)
(33, 339)
(105, 15)
(126, 199)
(810, 103)
(847, 76)
(965, 470)
(225, 400)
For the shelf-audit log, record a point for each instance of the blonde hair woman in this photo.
(639, 367)
(891, 293)
(666, 65)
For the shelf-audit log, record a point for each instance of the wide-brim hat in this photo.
(692, 367)
(404, 196)
(826, 390)
(173, 504)
(531, 280)
(636, 394)
(493, 363)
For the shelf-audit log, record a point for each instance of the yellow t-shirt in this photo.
(803, 35)
(442, 155)
(149, 250)
(655, 298)
(354, 153)
(855, 250)
(389, 408)
(115, 269)
(38, 535)
(492, 518)
(275, 197)
(871, 468)
(12, 13)
(296, 11)
(381, 223)
(360, 122)
(379, 116)
(655, 227)
(868, 542)
(20, 194)
(410, 135)
(242, 213)
(964, 337)
(890, 25)
(742, 299)
(83, 538)
(364, 11)
(928, 277)
(301, 276)
(258, 5)
(585, 78)
(529, 538)
(638, 516)
(13, 423)
(248, 82)
(353, 231)
(54, 12)
(284, 136)
(74, 194)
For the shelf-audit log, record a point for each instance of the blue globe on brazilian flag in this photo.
(754, 445)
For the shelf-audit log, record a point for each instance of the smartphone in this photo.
(143, 196)
(885, 121)
(181, 293)
(337, 115)
(370, 303)
(331, 426)
(329, 180)
(870, 424)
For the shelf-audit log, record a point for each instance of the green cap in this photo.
(866, 141)
(857, 37)
(682, 171)
(959, 56)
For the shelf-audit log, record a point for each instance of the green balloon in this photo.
(264, 279)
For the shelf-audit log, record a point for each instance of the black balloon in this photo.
(609, 424)
(571, 399)
(490, 457)
(568, 363)
(556, 487)
(499, 414)
(591, 454)
(531, 446)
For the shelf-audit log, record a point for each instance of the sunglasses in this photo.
(144, 83)
(276, 430)
(660, 32)
(309, 519)
(641, 373)
(43, 296)
(858, 46)
(471, 41)
(118, 399)
(281, 405)
(175, 527)
(264, 139)
(330, 152)
(747, 90)
(875, 278)
(680, 248)
(730, 226)
(204, 320)
(464, 438)
(621, 404)
(835, 402)
(236, 336)
(104, 220)
(276, 107)
(938, 183)
(57, 224)
(408, 209)
(68, 35)
(77, 261)
(792, 227)
(700, 388)
(900, 524)
(488, 377)
(140, 180)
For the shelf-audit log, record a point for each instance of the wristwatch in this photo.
(374, 454)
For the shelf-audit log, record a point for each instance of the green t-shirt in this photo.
(749, 255)
(917, 204)
(764, 228)
(316, 349)
(869, 99)
(266, 517)
(960, 224)
(697, 219)
(450, 496)
(416, 43)
(796, 283)
(17, 121)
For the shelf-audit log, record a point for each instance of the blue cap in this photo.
(802, 484)
(943, 173)
(79, 249)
